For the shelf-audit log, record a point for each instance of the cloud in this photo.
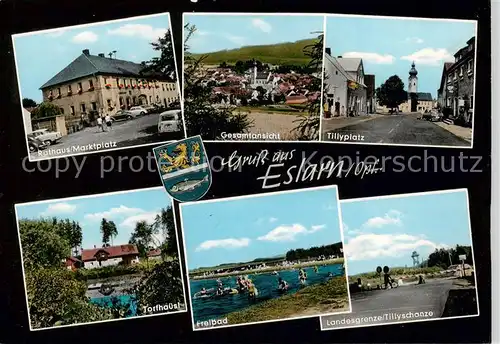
(230, 243)
(131, 221)
(262, 25)
(429, 56)
(393, 217)
(289, 233)
(370, 246)
(59, 208)
(139, 30)
(416, 40)
(272, 219)
(115, 212)
(85, 37)
(371, 57)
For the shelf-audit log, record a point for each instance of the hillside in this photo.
(290, 53)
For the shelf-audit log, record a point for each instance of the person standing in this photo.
(99, 123)
(108, 121)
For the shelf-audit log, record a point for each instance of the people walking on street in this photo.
(99, 123)
(108, 121)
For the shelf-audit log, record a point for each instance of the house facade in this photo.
(94, 85)
(456, 92)
(345, 91)
(424, 103)
(110, 256)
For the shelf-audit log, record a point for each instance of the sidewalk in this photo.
(333, 123)
(462, 132)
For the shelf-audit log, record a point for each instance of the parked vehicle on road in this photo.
(433, 116)
(35, 144)
(122, 115)
(138, 111)
(169, 121)
(46, 136)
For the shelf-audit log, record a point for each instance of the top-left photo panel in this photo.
(104, 86)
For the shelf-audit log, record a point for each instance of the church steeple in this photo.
(413, 71)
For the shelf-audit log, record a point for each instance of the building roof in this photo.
(424, 96)
(154, 253)
(86, 65)
(350, 64)
(112, 251)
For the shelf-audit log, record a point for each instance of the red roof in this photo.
(154, 253)
(112, 251)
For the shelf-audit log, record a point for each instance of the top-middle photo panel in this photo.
(253, 77)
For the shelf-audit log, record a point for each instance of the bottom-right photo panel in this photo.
(410, 258)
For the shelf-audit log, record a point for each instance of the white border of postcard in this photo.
(265, 14)
(178, 81)
(103, 321)
(470, 146)
(346, 274)
(352, 200)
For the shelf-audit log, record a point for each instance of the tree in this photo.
(72, 232)
(108, 231)
(29, 103)
(308, 125)
(239, 67)
(200, 116)
(162, 285)
(144, 238)
(42, 245)
(164, 223)
(391, 93)
(46, 109)
(163, 66)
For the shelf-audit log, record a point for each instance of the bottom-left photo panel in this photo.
(99, 258)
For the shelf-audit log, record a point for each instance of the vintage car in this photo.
(138, 111)
(46, 136)
(434, 115)
(122, 115)
(35, 144)
(169, 121)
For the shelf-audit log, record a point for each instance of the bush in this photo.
(56, 297)
(107, 272)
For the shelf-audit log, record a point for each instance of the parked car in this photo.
(35, 144)
(433, 116)
(122, 115)
(46, 136)
(169, 121)
(138, 111)
(149, 108)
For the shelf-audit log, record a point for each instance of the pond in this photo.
(118, 300)
(266, 283)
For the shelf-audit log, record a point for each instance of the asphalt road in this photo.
(397, 129)
(384, 306)
(135, 132)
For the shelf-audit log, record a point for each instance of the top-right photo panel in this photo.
(399, 81)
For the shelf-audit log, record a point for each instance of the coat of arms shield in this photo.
(184, 168)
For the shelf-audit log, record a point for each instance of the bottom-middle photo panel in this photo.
(267, 257)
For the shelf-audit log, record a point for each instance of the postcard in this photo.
(262, 258)
(100, 258)
(104, 86)
(410, 257)
(253, 77)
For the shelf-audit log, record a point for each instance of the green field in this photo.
(290, 53)
(324, 298)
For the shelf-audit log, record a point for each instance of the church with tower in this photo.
(417, 101)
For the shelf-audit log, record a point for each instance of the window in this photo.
(82, 107)
(150, 99)
(105, 80)
(72, 110)
(91, 83)
(94, 106)
(165, 102)
(336, 72)
(134, 100)
(130, 82)
(121, 101)
(79, 85)
(109, 102)
(117, 82)
(162, 87)
(69, 89)
(455, 75)
(59, 92)
(470, 66)
(461, 71)
(62, 111)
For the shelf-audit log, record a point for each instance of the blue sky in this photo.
(125, 209)
(388, 46)
(244, 229)
(385, 231)
(220, 32)
(131, 39)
